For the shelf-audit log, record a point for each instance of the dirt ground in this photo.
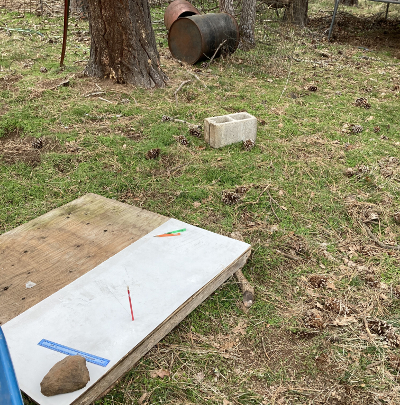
(368, 32)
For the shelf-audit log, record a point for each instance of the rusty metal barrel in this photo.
(178, 9)
(192, 39)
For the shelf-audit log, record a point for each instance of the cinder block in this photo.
(231, 128)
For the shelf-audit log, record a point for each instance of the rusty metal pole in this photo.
(64, 44)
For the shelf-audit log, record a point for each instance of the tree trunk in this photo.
(123, 45)
(247, 22)
(349, 2)
(79, 6)
(226, 6)
(297, 13)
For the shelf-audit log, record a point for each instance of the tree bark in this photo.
(226, 6)
(297, 13)
(123, 45)
(79, 6)
(349, 2)
(247, 23)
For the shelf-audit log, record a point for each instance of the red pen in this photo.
(130, 303)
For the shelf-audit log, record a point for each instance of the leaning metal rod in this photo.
(333, 19)
(64, 44)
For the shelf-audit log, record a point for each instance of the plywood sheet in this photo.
(57, 248)
(167, 277)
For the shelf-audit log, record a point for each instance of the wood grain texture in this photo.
(57, 248)
(108, 380)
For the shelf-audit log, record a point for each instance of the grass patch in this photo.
(312, 186)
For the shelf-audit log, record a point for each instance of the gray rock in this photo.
(68, 375)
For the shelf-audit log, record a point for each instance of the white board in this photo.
(92, 313)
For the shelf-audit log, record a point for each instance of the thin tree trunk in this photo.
(297, 13)
(247, 22)
(226, 6)
(79, 6)
(123, 45)
(349, 2)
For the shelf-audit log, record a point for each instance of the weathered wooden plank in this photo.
(57, 248)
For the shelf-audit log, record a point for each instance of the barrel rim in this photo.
(198, 30)
(175, 5)
(196, 16)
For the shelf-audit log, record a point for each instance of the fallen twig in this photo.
(216, 51)
(265, 352)
(247, 289)
(271, 200)
(198, 78)
(96, 93)
(104, 99)
(258, 199)
(177, 90)
(288, 255)
(367, 329)
(377, 241)
(64, 83)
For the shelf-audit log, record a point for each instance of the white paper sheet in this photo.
(92, 314)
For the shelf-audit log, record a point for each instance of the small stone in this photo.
(349, 172)
(68, 375)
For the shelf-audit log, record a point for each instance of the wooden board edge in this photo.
(56, 211)
(103, 385)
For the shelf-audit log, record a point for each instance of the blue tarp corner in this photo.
(9, 390)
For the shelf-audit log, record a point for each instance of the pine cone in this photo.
(195, 130)
(336, 305)
(394, 362)
(377, 129)
(182, 140)
(357, 129)
(165, 118)
(318, 280)
(229, 197)
(37, 143)
(248, 145)
(393, 338)
(204, 65)
(362, 102)
(241, 189)
(371, 281)
(153, 154)
(313, 88)
(314, 319)
(379, 327)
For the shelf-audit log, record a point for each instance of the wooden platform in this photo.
(62, 245)
(56, 249)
